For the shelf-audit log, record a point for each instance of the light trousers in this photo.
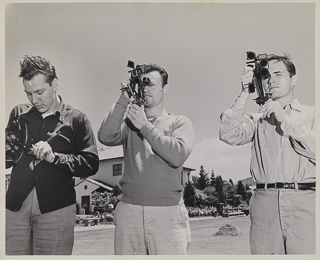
(145, 230)
(283, 222)
(28, 232)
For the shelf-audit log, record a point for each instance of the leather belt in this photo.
(287, 185)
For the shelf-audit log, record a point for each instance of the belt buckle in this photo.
(288, 185)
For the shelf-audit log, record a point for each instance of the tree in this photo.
(189, 195)
(200, 198)
(212, 179)
(220, 189)
(242, 191)
(211, 199)
(230, 193)
(202, 181)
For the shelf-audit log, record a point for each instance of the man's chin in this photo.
(41, 110)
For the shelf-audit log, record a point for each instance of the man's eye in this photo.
(41, 92)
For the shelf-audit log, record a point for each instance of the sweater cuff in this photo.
(123, 101)
(56, 158)
(146, 129)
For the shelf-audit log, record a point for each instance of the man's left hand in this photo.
(137, 116)
(273, 107)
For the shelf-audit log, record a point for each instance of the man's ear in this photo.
(165, 89)
(294, 80)
(55, 85)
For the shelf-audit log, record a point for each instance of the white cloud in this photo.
(228, 161)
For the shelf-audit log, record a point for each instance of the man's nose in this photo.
(145, 88)
(272, 79)
(34, 99)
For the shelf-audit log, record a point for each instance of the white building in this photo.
(84, 189)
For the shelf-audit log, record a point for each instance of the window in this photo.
(117, 169)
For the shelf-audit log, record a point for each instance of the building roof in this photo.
(103, 183)
(111, 152)
(186, 167)
(98, 183)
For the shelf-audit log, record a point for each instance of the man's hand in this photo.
(137, 116)
(246, 78)
(273, 107)
(125, 84)
(43, 151)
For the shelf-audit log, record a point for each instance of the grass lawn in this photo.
(205, 243)
(99, 240)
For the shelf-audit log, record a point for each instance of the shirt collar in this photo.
(62, 110)
(295, 104)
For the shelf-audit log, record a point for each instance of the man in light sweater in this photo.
(151, 218)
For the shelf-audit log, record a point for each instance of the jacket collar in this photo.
(61, 110)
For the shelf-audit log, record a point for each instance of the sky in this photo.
(202, 47)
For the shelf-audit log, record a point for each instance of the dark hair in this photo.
(33, 65)
(162, 72)
(286, 59)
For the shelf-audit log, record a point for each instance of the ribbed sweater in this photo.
(153, 156)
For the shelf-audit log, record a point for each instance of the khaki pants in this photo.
(142, 230)
(28, 232)
(283, 222)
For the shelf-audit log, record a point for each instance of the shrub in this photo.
(199, 212)
(188, 195)
(211, 199)
(106, 201)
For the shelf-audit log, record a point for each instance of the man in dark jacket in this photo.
(40, 201)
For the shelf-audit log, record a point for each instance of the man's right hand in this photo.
(246, 79)
(125, 84)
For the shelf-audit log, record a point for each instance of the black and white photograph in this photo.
(160, 128)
